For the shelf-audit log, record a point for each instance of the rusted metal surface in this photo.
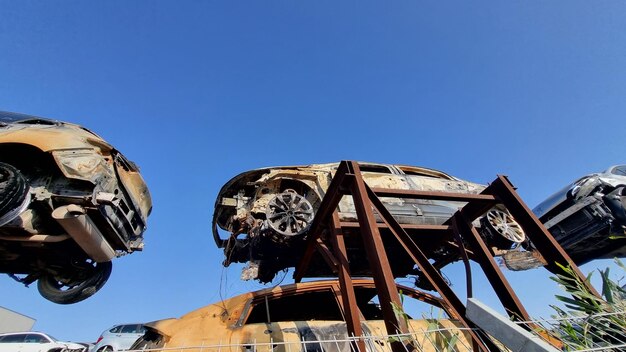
(234, 322)
(432, 275)
(547, 246)
(391, 244)
(348, 297)
(462, 225)
(496, 278)
(375, 250)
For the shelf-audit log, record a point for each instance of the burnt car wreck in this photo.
(301, 317)
(69, 204)
(268, 213)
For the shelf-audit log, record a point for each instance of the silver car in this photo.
(588, 216)
(118, 338)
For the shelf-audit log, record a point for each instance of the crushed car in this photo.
(303, 317)
(588, 216)
(69, 204)
(267, 214)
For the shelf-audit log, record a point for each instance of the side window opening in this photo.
(317, 305)
(424, 173)
(34, 338)
(412, 308)
(619, 170)
(130, 329)
(13, 338)
(380, 169)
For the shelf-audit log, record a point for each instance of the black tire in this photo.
(58, 292)
(105, 349)
(13, 192)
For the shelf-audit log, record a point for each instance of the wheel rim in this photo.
(289, 213)
(504, 224)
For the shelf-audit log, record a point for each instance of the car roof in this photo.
(22, 333)
(234, 180)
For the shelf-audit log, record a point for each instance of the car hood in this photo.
(587, 185)
(49, 135)
(557, 198)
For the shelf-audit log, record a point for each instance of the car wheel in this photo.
(105, 349)
(289, 214)
(14, 196)
(67, 291)
(506, 231)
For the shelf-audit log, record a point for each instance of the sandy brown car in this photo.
(267, 213)
(69, 203)
(302, 317)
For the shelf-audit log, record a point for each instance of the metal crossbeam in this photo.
(349, 181)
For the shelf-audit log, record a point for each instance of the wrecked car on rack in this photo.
(588, 216)
(70, 203)
(267, 213)
(303, 317)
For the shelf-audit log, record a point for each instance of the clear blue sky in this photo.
(197, 91)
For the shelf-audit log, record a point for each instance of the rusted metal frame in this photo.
(547, 246)
(377, 256)
(496, 278)
(465, 257)
(328, 256)
(430, 195)
(327, 207)
(348, 297)
(456, 308)
(430, 228)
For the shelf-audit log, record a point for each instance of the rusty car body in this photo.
(267, 213)
(69, 203)
(301, 317)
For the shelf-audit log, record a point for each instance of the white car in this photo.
(118, 338)
(31, 341)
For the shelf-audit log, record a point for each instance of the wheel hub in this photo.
(505, 225)
(289, 213)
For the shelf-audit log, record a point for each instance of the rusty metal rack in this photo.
(327, 239)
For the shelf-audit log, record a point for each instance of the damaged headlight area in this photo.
(82, 164)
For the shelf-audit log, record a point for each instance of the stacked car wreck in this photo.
(268, 213)
(70, 204)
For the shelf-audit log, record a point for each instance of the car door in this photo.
(11, 343)
(35, 343)
(128, 335)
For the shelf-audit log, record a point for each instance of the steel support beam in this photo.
(348, 180)
(547, 246)
(348, 297)
(376, 254)
(496, 278)
(457, 309)
(322, 219)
